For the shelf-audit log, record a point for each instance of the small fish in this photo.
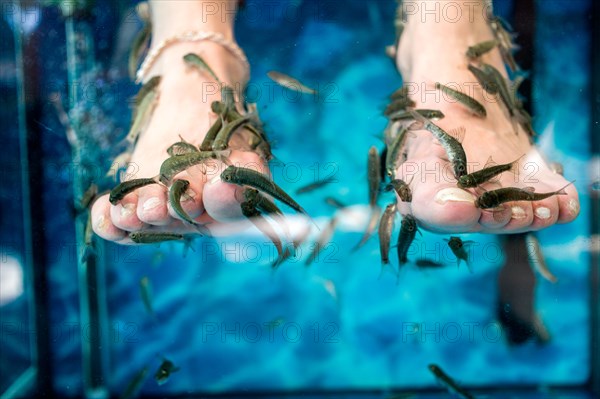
(386, 226)
(316, 185)
(146, 237)
(399, 104)
(145, 101)
(393, 153)
(481, 176)
(473, 105)
(401, 93)
(407, 114)
(493, 199)
(371, 226)
(250, 212)
(135, 384)
(401, 188)
(164, 371)
(176, 191)
(373, 175)
(138, 46)
(334, 203)
(486, 81)
(424, 263)
(500, 81)
(557, 168)
(505, 43)
(209, 139)
(173, 165)
(289, 83)
(322, 240)
(88, 240)
(180, 148)
(222, 138)
(252, 178)
(536, 258)
(264, 204)
(118, 163)
(229, 113)
(146, 294)
(453, 147)
(408, 231)
(458, 249)
(476, 51)
(121, 190)
(88, 196)
(195, 61)
(449, 383)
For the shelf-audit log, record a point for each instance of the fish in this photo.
(494, 198)
(248, 177)
(453, 147)
(458, 249)
(88, 240)
(424, 263)
(407, 114)
(401, 93)
(371, 226)
(180, 148)
(88, 197)
(212, 132)
(135, 384)
(146, 294)
(267, 206)
(322, 240)
(485, 80)
(126, 187)
(195, 61)
(479, 49)
(473, 105)
(505, 94)
(222, 139)
(289, 83)
(148, 237)
(481, 176)
(401, 188)
(334, 203)
(144, 104)
(176, 191)
(118, 163)
(138, 46)
(393, 153)
(408, 231)
(250, 212)
(505, 43)
(448, 382)
(373, 175)
(536, 258)
(557, 168)
(174, 165)
(316, 185)
(398, 104)
(230, 114)
(164, 371)
(386, 226)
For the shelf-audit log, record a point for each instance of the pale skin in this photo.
(428, 52)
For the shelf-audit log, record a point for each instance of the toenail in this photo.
(454, 195)
(573, 206)
(542, 212)
(127, 210)
(518, 212)
(101, 223)
(151, 203)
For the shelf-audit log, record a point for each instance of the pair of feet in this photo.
(439, 205)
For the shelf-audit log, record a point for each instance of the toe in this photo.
(102, 222)
(568, 205)
(124, 214)
(152, 205)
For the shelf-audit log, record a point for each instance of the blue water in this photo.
(232, 325)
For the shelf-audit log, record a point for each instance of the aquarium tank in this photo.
(234, 315)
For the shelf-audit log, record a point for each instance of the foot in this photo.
(183, 109)
(431, 52)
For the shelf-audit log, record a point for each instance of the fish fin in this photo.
(530, 189)
(187, 244)
(458, 133)
(490, 162)
(88, 252)
(514, 168)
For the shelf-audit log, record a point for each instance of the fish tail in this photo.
(562, 190)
